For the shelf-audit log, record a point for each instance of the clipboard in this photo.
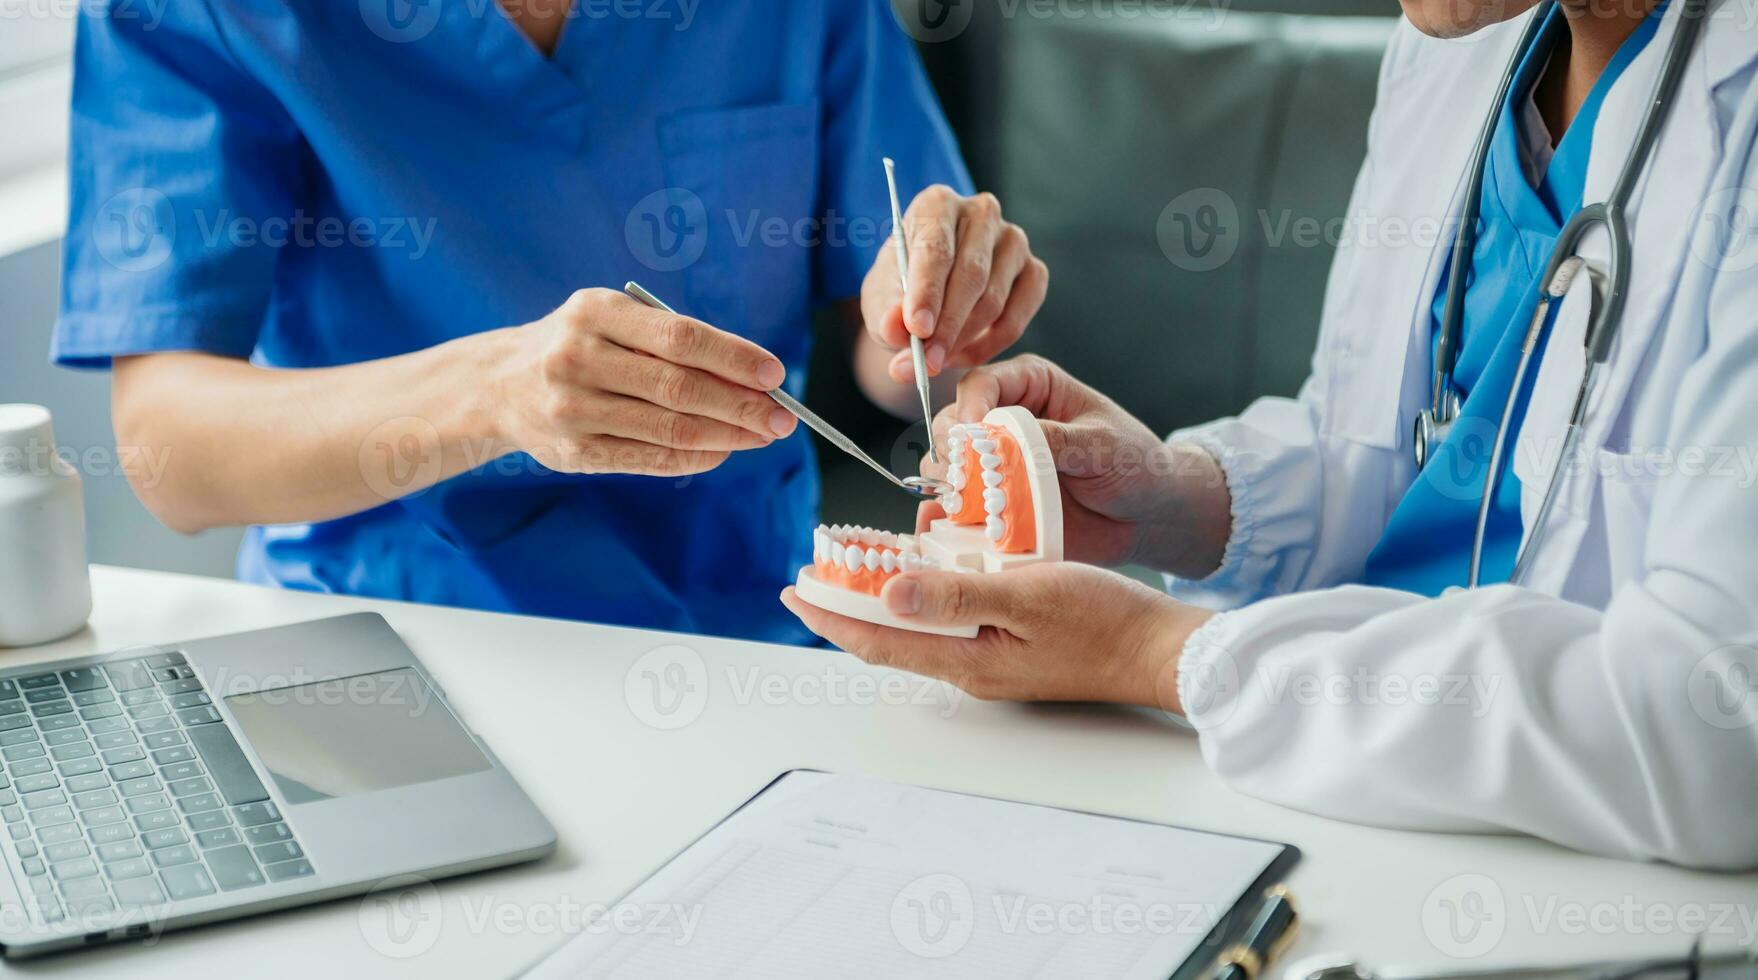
(854, 874)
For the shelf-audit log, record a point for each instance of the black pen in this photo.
(1264, 939)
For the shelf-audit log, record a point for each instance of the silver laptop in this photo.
(154, 789)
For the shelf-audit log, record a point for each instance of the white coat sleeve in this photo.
(1630, 731)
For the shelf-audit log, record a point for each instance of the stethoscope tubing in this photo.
(1610, 288)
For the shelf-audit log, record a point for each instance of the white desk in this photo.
(550, 698)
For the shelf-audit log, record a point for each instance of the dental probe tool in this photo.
(917, 356)
(921, 487)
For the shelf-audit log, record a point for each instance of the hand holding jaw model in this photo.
(1005, 511)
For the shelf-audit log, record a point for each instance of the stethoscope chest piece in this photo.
(1432, 426)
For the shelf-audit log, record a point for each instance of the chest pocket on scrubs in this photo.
(755, 169)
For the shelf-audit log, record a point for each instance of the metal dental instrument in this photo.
(1694, 965)
(921, 487)
(917, 356)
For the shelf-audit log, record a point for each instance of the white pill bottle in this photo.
(45, 584)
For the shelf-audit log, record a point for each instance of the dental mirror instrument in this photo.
(917, 356)
(920, 487)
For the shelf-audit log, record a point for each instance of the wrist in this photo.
(1160, 651)
(1192, 520)
(489, 363)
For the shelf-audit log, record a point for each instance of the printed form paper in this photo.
(828, 875)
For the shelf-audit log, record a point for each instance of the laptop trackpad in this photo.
(355, 735)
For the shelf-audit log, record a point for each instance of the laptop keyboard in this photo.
(121, 787)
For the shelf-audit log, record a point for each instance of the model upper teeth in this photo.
(983, 445)
(989, 461)
(994, 528)
(994, 501)
(992, 478)
(952, 503)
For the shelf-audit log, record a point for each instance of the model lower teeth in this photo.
(1003, 510)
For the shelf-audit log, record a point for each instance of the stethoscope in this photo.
(1610, 286)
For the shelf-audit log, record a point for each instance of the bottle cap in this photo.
(26, 428)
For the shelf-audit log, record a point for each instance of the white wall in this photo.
(34, 40)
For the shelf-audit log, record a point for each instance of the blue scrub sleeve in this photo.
(182, 165)
(877, 103)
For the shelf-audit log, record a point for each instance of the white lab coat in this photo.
(1610, 704)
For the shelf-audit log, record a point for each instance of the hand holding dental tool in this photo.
(917, 357)
(967, 287)
(917, 486)
(606, 385)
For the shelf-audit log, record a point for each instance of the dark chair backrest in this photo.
(1183, 167)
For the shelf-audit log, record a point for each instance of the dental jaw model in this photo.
(1004, 511)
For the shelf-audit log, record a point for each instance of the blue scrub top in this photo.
(1426, 547)
(315, 184)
